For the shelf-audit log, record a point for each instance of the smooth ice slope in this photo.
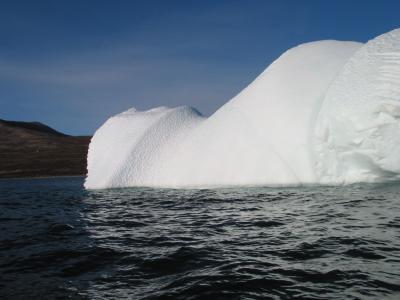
(261, 136)
(324, 112)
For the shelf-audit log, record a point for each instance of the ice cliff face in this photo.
(323, 112)
(357, 135)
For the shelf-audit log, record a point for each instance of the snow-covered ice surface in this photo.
(126, 150)
(323, 112)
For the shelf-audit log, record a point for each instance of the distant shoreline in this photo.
(34, 150)
(41, 177)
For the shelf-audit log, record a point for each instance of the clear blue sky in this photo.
(72, 64)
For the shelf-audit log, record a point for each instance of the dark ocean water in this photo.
(58, 241)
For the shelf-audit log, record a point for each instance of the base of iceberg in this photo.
(323, 112)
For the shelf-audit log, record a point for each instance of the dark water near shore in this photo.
(59, 241)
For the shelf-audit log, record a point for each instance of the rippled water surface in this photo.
(59, 241)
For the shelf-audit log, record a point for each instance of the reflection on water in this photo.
(58, 240)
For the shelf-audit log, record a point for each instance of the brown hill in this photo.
(32, 149)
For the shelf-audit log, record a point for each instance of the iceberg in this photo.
(323, 112)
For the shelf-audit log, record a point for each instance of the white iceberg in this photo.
(323, 112)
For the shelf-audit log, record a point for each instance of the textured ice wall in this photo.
(358, 130)
(323, 112)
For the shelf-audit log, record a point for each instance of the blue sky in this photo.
(72, 64)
